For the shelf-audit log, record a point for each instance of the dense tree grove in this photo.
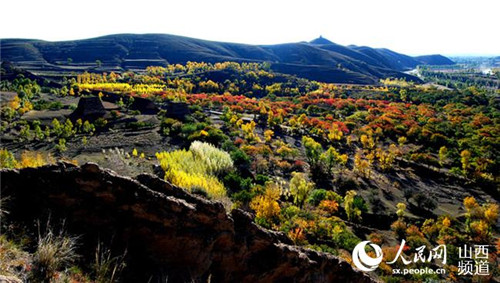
(310, 159)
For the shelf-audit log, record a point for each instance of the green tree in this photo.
(313, 149)
(7, 159)
(352, 206)
(300, 188)
(88, 127)
(79, 125)
(64, 91)
(68, 130)
(57, 128)
(401, 208)
(25, 133)
(47, 132)
(443, 152)
(120, 103)
(61, 146)
(39, 135)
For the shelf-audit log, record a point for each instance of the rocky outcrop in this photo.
(89, 108)
(168, 232)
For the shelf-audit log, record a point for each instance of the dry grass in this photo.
(106, 267)
(54, 253)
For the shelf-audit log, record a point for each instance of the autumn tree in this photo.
(401, 208)
(313, 149)
(34, 159)
(367, 141)
(268, 135)
(300, 188)
(335, 134)
(331, 158)
(249, 130)
(480, 220)
(362, 165)
(399, 226)
(266, 206)
(386, 157)
(465, 157)
(443, 152)
(402, 141)
(353, 205)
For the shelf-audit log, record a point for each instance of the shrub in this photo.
(316, 196)
(329, 206)
(7, 159)
(343, 238)
(197, 167)
(261, 179)
(236, 183)
(34, 159)
(101, 123)
(425, 202)
(170, 126)
(290, 211)
(243, 196)
(88, 127)
(139, 125)
(240, 158)
(217, 161)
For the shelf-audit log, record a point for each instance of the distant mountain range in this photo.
(319, 59)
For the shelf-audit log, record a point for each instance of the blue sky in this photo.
(448, 27)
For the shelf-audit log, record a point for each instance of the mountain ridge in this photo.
(324, 60)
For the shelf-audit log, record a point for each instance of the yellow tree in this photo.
(266, 206)
(268, 135)
(335, 134)
(361, 165)
(401, 208)
(249, 130)
(385, 158)
(465, 156)
(402, 141)
(300, 188)
(367, 142)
